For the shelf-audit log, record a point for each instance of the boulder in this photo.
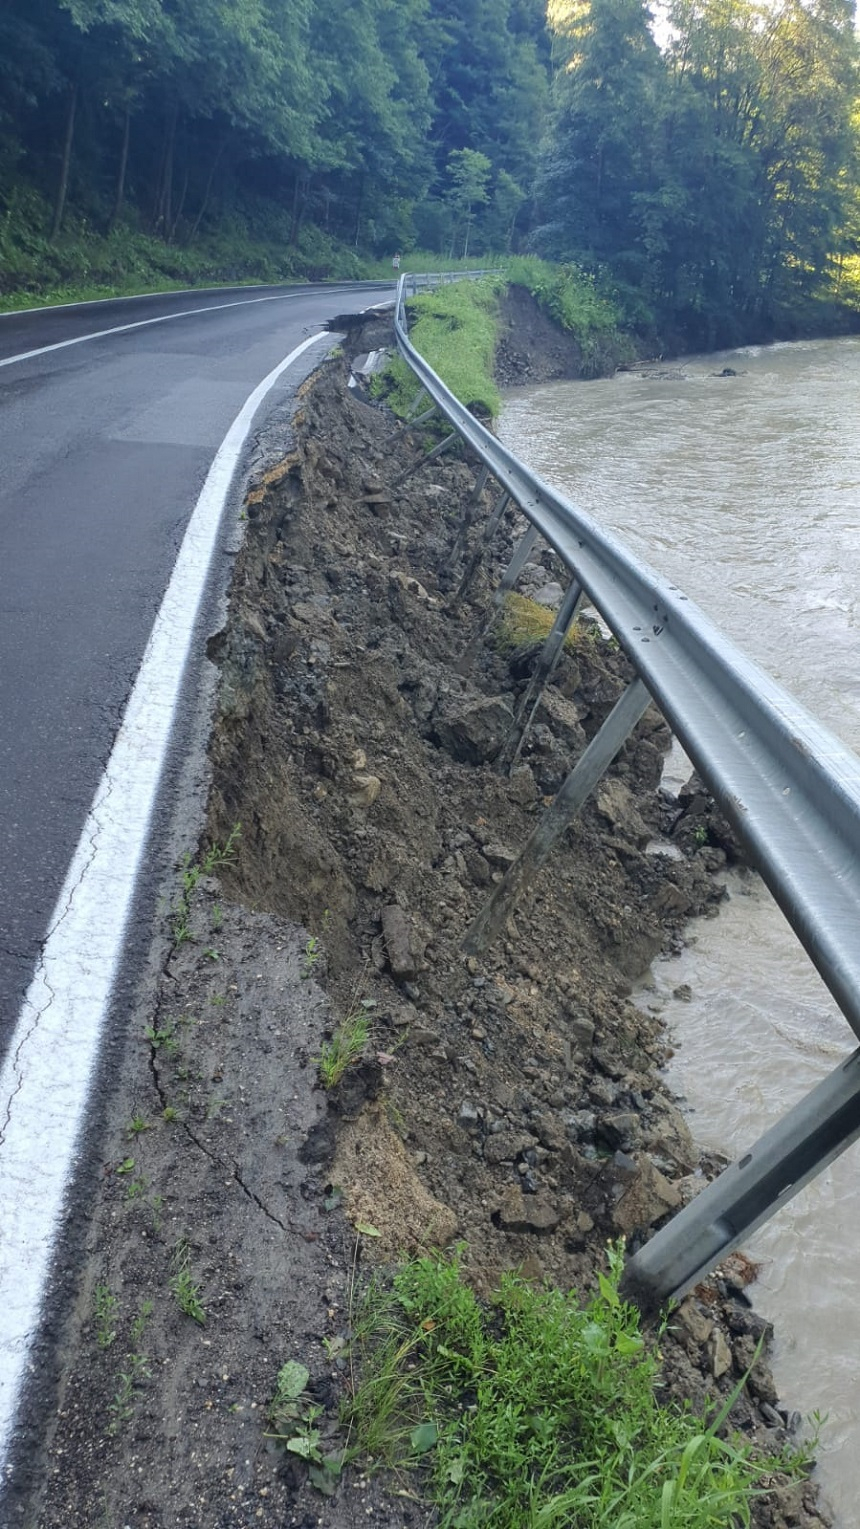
(615, 803)
(402, 945)
(472, 729)
(646, 1196)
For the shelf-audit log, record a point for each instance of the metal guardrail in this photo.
(790, 788)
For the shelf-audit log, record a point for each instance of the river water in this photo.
(745, 492)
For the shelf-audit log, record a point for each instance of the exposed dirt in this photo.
(513, 1102)
(533, 349)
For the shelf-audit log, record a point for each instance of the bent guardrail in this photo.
(790, 788)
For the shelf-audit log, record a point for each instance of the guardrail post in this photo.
(745, 1194)
(547, 660)
(412, 424)
(469, 513)
(430, 457)
(484, 540)
(592, 765)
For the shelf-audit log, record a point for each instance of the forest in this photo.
(701, 164)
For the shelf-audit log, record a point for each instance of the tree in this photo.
(468, 174)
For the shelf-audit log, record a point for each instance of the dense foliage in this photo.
(714, 175)
(348, 115)
(703, 169)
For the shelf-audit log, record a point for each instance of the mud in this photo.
(513, 1103)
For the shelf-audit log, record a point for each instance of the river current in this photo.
(745, 492)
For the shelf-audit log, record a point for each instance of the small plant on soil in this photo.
(314, 950)
(105, 1311)
(536, 1411)
(138, 1124)
(163, 1038)
(293, 1418)
(345, 1046)
(136, 1371)
(183, 1285)
(216, 856)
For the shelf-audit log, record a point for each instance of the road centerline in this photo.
(162, 318)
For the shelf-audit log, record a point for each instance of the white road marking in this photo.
(163, 318)
(47, 1074)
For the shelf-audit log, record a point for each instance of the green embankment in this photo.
(456, 329)
(82, 264)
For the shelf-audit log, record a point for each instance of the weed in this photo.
(137, 1125)
(314, 949)
(218, 999)
(700, 835)
(293, 1420)
(191, 872)
(105, 1310)
(214, 1107)
(537, 1412)
(217, 916)
(211, 954)
(135, 1373)
(164, 1039)
(136, 1188)
(183, 1285)
(345, 1046)
(312, 955)
(169, 1113)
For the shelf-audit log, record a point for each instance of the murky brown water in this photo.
(745, 491)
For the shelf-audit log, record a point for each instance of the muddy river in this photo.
(745, 491)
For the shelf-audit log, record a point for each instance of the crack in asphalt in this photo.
(16, 1066)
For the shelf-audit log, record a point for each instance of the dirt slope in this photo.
(514, 1103)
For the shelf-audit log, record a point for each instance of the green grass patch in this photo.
(250, 245)
(456, 330)
(572, 298)
(522, 623)
(538, 1413)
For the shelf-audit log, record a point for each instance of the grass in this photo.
(191, 871)
(250, 244)
(345, 1046)
(522, 623)
(572, 298)
(183, 1286)
(535, 1412)
(105, 1312)
(456, 330)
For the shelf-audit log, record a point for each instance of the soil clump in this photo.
(514, 1103)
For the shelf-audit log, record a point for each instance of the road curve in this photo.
(122, 437)
(104, 445)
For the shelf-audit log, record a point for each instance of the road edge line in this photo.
(46, 1076)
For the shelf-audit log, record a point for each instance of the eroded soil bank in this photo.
(513, 1103)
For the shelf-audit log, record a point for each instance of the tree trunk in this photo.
(358, 211)
(62, 189)
(206, 194)
(164, 189)
(179, 209)
(119, 196)
(299, 199)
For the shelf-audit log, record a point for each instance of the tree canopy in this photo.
(709, 171)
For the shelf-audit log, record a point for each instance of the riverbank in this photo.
(515, 1104)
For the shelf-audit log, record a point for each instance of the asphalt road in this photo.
(104, 446)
